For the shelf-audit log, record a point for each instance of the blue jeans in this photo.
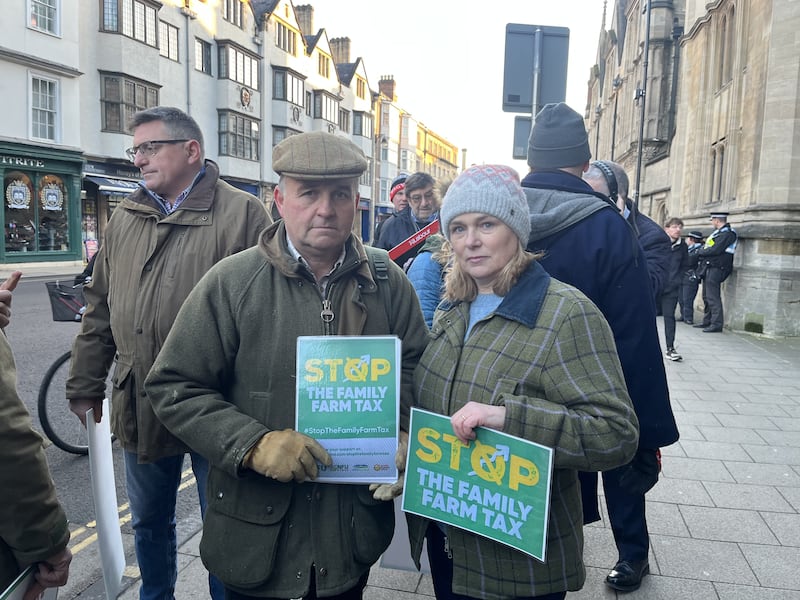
(152, 493)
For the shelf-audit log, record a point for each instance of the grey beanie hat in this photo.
(491, 190)
(558, 139)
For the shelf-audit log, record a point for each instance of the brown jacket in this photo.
(147, 265)
(33, 525)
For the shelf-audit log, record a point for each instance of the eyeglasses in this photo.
(417, 198)
(149, 148)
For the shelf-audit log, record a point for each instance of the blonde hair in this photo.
(459, 286)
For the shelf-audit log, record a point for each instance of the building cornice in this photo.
(37, 62)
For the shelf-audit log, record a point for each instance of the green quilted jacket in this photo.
(226, 376)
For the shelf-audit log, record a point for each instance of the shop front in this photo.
(41, 211)
(104, 187)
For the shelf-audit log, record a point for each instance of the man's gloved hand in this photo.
(390, 491)
(286, 455)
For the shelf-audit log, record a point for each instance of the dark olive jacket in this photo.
(226, 376)
(33, 525)
(147, 265)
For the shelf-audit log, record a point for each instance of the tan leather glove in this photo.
(390, 491)
(286, 455)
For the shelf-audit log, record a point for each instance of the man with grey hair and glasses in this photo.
(159, 242)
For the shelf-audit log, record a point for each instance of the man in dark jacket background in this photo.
(397, 196)
(609, 178)
(423, 209)
(676, 267)
(588, 245)
(690, 281)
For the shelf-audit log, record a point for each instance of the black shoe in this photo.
(688, 321)
(678, 319)
(626, 576)
(701, 325)
(712, 329)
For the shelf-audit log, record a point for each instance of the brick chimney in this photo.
(305, 18)
(340, 48)
(386, 87)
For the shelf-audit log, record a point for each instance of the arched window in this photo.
(53, 224)
(35, 214)
(20, 209)
(717, 172)
(725, 45)
(712, 171)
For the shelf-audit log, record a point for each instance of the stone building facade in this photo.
(720, 131)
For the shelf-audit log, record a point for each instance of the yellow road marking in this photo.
(78, 546)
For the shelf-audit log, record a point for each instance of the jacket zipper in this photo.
(327, 315)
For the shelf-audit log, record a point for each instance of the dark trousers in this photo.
(712, 297)
(626, 512)
(442, 569)
(354, 593)
(688, 294)
(669, 300)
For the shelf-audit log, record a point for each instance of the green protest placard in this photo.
(497, 486)
(348, 399)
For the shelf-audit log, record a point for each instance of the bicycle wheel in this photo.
(60, 424)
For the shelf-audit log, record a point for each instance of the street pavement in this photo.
(725, 516)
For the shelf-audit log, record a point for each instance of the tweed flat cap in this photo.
(318, 155)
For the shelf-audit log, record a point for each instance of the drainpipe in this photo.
(641, 95)
(677, 32)
(189, 14)
(263, 71)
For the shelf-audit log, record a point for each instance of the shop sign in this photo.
(107, 170)
(20, 161)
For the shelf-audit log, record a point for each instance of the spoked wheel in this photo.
(59, 423)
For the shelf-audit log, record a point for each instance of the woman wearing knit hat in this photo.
(514, 350)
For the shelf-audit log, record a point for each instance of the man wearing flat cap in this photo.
(588, 244)
(225, 383)
(691, 282)
(715, 265)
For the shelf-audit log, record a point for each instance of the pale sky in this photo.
(447, 59)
